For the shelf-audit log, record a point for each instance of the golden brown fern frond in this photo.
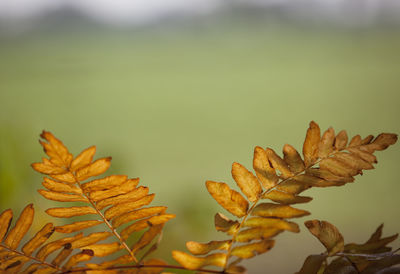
(328, 160)
(118, 202)
(12, 258)
(370, 257)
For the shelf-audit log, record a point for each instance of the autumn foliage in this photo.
(117, 208)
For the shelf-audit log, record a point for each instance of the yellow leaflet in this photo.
(265, 173)
(250, 250)
(94, 169)
(311, 143)
(247, 182)
(228, 198)
(277, 210)
(40, 237)
(278, 163)
(192, 263)
(325, 146)
(201, 249)
(83, 159)
(341, 140)
(21, 227)
(293, 159)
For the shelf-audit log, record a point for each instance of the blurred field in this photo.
(176, 106)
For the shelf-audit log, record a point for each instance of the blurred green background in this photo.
(176, 103)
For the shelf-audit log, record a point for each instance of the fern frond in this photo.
(373, 256)
(328, 160)
(115, 199)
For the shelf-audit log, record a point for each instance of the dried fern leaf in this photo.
(94, 169)
(279, 164)
(147, 237)
(83, 159)
(60, 187)
(102, 250)
(193, 263)
(293, 159)
(62, 197)
(138, 214)
(68, 212)
(5, 222)
(40, 237)
(327, 234)
(228, 198)
(250, 250)
(278, 211)
(90, 239)
(105, 183)
(273, 223)
(85, 255)
(77, 226)
(21, 227)
(325, 146)
(224, 224)
(247, 182)
(341, 140)
(132, 196)
(120, 209)
(285, 198)
(311, 144)
(266, 174)
(124, 188)
(144, 223)
(257, 233)
(202, 249)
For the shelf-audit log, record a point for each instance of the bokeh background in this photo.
(177, 90)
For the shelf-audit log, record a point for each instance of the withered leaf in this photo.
(341, 140)
(90, 239)
(292, 186)
(47, 167)
(62, 197)
(66, 177)
(67, 212)
(264, 171)
(124, 259)
(102, 250)
(55, 149)
(134, 195)
(147, 237)
(94, 169)
(228, 198)
(126, 187)
(285, 198)
(337, 167)
(355, 141)
(21, 227)
(77, 226)
(247, 182)
(62, 255)
(327, 234)
(366, 156)
(40, 237)
(83, 159)
(272, 223)
(250, 250)
(311, 143)
(325, 146)
(256, 233)
(85, 255)
(201, 249)
(193, 263)
(49, 248)
(278, 163)
(60, 187)
(144, 223)
(277, 210)
(383, 141)
(353, 161)
(5, 222)
(120, 209)
(293, 159)
(138, 214)
(223, 223)
(105, 183)
(327, 175)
